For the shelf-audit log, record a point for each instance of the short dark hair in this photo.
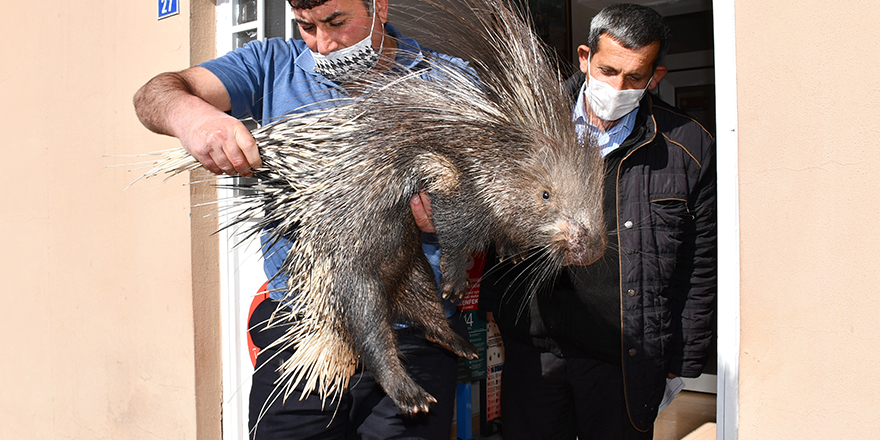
(309, 4)
(633, 26)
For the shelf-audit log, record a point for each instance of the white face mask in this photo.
(609, 104)
(348, 64)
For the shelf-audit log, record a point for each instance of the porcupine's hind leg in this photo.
(368, 318)
(419, 303)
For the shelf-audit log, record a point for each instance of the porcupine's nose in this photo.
(585, 247)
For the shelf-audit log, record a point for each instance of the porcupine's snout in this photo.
(582, 243)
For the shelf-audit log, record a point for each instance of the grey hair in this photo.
(633, 26)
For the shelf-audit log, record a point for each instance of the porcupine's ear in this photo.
(438, 172)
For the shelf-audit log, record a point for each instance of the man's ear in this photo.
(584, 57)
(659, 73)
(382, 10)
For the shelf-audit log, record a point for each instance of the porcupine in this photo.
(491, 143)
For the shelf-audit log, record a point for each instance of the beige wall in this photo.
(96, 311)
(809, 195)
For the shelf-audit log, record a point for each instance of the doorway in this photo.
(690, 86)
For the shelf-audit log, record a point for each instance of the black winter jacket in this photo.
(665, 237)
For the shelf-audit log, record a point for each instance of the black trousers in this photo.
(547, 397)
(364, 411)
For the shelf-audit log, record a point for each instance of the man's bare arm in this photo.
(190, 105)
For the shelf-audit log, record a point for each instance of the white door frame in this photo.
(241, 270)
(727, 406)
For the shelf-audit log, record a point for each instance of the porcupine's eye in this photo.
(546, 195)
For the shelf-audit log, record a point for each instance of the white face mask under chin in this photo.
(348, 64)
(609, 104)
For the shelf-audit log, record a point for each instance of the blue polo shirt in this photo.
(269, 79)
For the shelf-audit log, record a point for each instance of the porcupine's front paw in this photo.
(454, 282)
(454, 286)
(410, 398)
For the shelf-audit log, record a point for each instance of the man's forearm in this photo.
(154, 100)
(164, 103)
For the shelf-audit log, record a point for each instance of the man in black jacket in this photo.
(588, 355)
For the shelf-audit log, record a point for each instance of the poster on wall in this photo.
(491, 399)
(472, 370)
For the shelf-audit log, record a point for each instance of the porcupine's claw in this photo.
(459, 346)
(410, 398)
(455, 284)
(455, 280)
(450, 340)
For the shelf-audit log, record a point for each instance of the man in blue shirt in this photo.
(264, 80)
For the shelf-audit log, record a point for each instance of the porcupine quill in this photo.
(493, 145)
